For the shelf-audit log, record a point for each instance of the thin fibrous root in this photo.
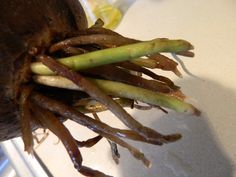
(114, 148)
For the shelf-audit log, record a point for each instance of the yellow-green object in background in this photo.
(104, 10)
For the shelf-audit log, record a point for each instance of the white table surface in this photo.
(208, 146)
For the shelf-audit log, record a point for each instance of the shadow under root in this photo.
(198, 153)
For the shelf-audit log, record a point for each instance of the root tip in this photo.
(178, 73)
(147, 163)
(191, 47)
(172, 138)
(193, 111)
(29, 150)
(196, 112)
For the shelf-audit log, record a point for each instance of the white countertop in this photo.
(208, 146)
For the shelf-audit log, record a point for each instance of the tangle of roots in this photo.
(49, 110)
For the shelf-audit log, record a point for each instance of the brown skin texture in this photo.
(25, 24)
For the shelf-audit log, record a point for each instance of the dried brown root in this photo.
(134, 67)
(96, 34)
(166, 64)
(186, 54)
(49, 120)
(74, 51)
(99, 127)
(94, 125)
(103, 40)
(176, 89)
(25, 120)
(111, 72)
(89, 143)
(86, 171)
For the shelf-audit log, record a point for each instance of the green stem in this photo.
(125, 91)
(118, 54)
